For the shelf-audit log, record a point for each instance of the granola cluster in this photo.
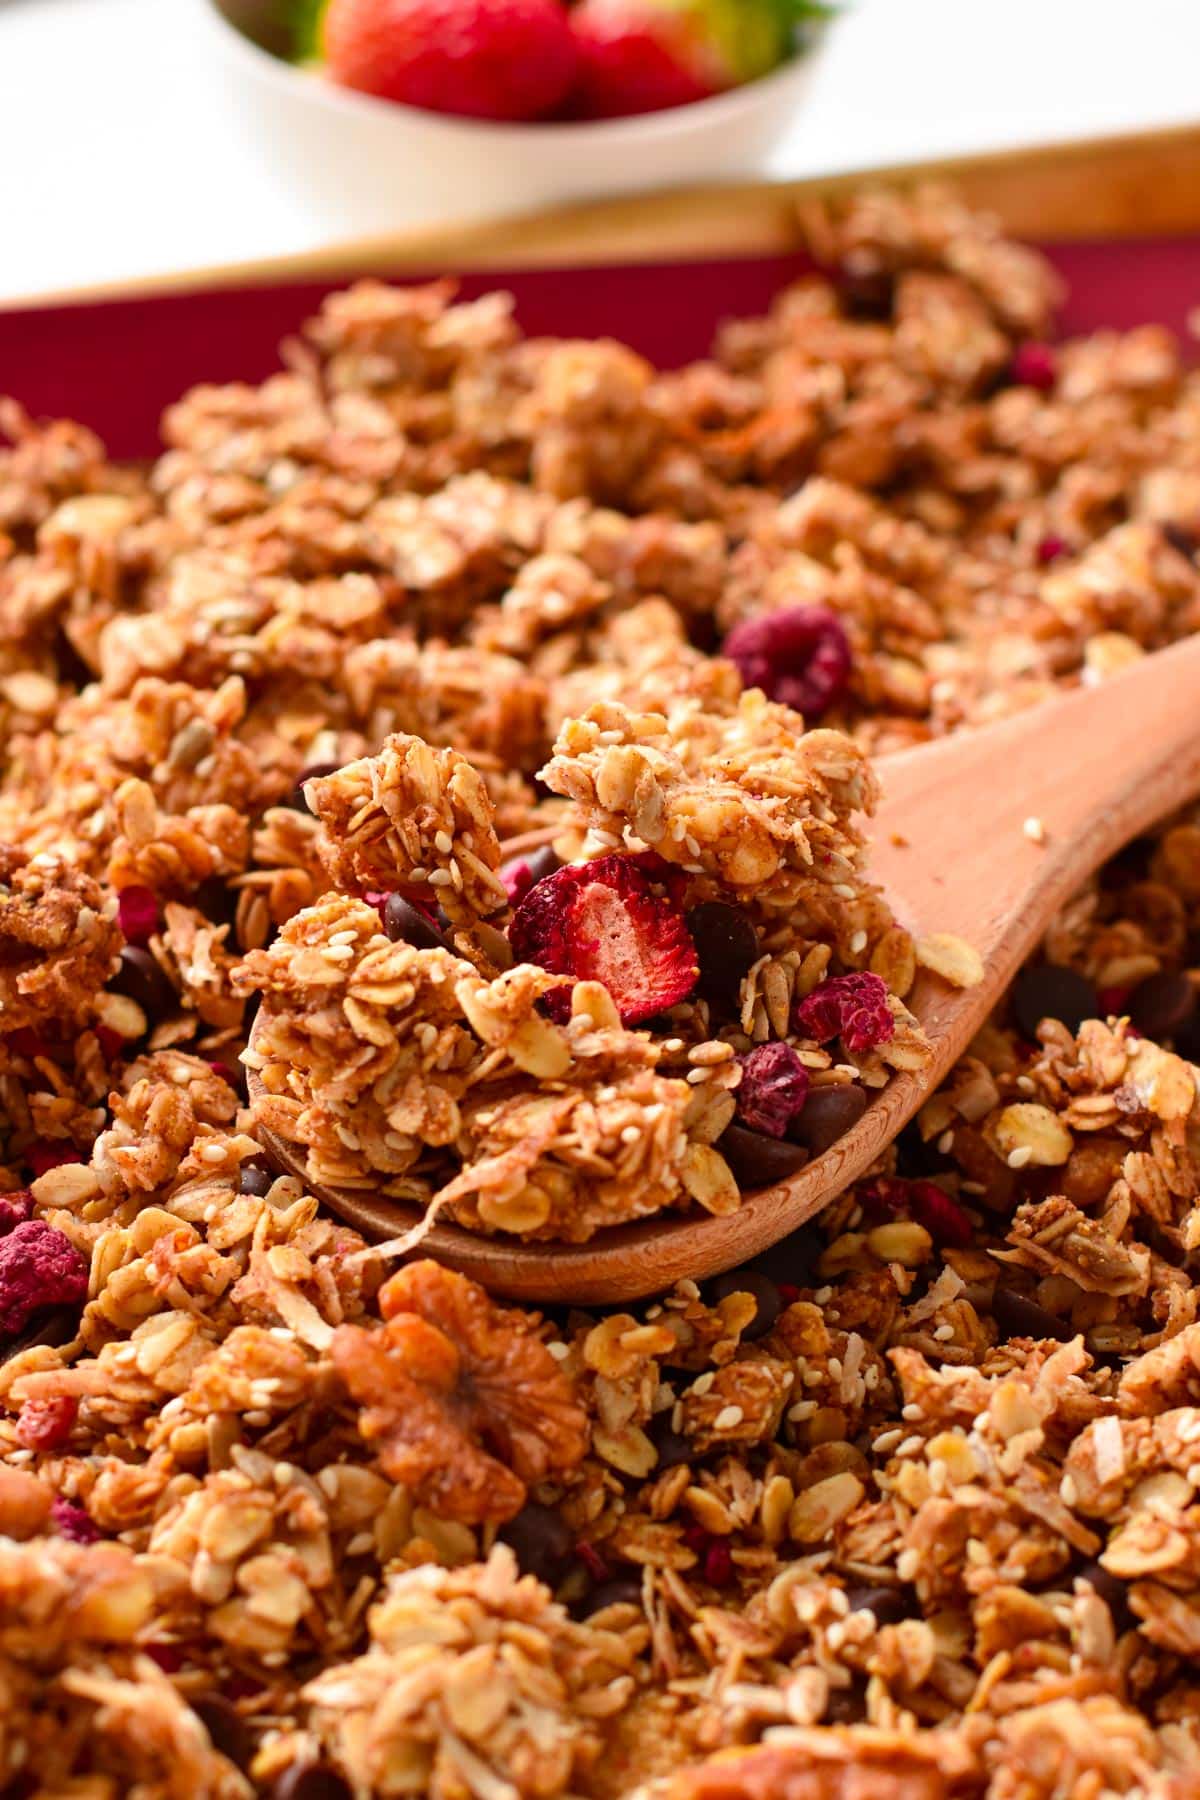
(484, 722)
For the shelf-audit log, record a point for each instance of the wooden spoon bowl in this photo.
(984, 835)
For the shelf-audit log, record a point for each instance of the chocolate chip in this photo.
(759, 1161)
(1162, 1005)
(827, 1115)
(791, 1261)
(1018, 1316)
(1181, 539)
(623, 1590)
(406, 923)
(544, 1545)
(1114, 1593)
(226, 1727)
(217, 902)
(537, 865)
(296, 799)
(766, 1296)
(141, 979)
(887, 1605)
(53, 1326)
(726, 946)
(1048, 991)
(847, 1705)
(673, 1448)
(314, 1781)
(256, 1176)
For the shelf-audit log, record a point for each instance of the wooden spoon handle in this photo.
(1002, 825)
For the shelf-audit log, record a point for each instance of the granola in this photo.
(493, 715)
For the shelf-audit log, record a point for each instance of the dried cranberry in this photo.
(592, 1560)
(718, 1564)
(1051, 547)
(73, 1522)
(15, 1208)
(38, 1267)
(169, 1657)
(47, 1424)
(773, 1089)
(137, 911)
(799, 656)
(1034, 365)
(852, 1007)
(1113, 1000)
(111, 1043)
(42, 1157)
(28, 1042)
(942, 1217)
(608, 921)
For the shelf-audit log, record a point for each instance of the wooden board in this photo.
(1142, 185)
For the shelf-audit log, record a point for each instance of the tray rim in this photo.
(1124, 185)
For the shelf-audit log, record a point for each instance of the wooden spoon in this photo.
(983, 834)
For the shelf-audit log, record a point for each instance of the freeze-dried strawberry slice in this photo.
(608, 921)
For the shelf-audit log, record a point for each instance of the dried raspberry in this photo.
(47, 1424)
(38, 1267)
(1034, 365)
(774, 1087)
(73, 1522)
(800, 656)
(42, 1156)
(169, 1657)
(15, 1208)
(518, 879)
(1113, 1000)
(1051, 547)
(137, 911)
(852, 1007)
(608, 921)
(28, 1042)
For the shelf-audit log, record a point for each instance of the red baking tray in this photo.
(114, 364)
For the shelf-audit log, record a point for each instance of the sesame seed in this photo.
(858, 943)
(944, 1333)
(945, 1143)
(444, 842)
(887, 1440)
(440, 878)
(703, 1382)
(728, 1418)
(1034, 830)
(1018, 1158)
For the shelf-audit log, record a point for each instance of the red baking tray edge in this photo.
(114, 364)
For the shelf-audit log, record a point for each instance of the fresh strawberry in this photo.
(643, 55)
(608, 921)
(487, 59)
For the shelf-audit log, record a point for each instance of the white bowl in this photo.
(375, 165)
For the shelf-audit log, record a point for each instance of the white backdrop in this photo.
(121, 152)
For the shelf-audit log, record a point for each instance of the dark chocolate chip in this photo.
(766, 1296)
(226, 1727)
(406, 923)
(256, 1177)
(538, 864)
(141, 979)
(827, 1115)
(623, 1590)
(543, 1544)
(1181, 539)
(673, 1448)
(759, 1161)
(1019, 1317)
(313, 1781)
(296, 799)
(1114, 1593)
(53, 1326)
(791, 1261)
(217, 902)
(1162, 1005)
(726, 947)
(887, 1605)
(847, 1705)
(1048, 991)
